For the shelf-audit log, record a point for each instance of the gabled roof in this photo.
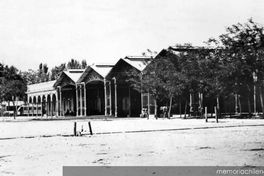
(40, 87)
(138, 62)
(72, 75)
(101, 70)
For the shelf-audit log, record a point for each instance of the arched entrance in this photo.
(68, 101)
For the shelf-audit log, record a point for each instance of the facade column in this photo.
(49, 106)
(105, 97)
(60, 102)
(148, 103)
(85, 110)
(81, 101)
(57, 104)
(115, 97)
(77, 101)
(46, 105)
(27, 105)
(191, 109)
(110, 98)
(41, 103)
(52, 105)
(33, 106)
(141, 92)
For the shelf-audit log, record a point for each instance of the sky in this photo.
(102, 31)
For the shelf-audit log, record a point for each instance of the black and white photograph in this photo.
(131, 87)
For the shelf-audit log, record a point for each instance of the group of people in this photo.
(163, 114)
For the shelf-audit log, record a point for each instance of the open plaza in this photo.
(43, 147)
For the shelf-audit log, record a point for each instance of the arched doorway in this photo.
(68, 101)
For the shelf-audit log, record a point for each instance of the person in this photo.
(144, 113)
(164, 110)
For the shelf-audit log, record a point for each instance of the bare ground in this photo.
(235, 146)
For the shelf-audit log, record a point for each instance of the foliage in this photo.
(30, 76)
(244, 44)
(13, 85)
(56, 71)
(43, 74)
(74, 64)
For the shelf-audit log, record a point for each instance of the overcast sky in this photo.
(102, 31)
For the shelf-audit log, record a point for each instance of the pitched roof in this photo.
(74, 74)
(40, 87)
(103, 70)
(139, 62)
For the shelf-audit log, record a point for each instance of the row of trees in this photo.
(230, 65)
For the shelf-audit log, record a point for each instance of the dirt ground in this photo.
(166, 143)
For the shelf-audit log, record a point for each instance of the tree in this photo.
(84, 64)
(43, 73)
(74, 64)
(13, 86)
(56, 71)
(30, 76)
(191, 67)
(163, 79)
(244, 45)
(153, 81)
(216, 74)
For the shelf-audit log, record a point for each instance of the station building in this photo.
(96, 90)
